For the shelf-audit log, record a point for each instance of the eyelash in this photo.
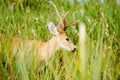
(67, 39)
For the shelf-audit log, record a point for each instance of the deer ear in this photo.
(52, 28)
(60, 26)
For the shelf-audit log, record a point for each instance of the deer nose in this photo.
(74, 49)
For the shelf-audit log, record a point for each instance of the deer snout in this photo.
(74, 49)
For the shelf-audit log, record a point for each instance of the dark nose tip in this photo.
(74, 49)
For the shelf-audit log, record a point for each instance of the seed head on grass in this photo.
(82, 43)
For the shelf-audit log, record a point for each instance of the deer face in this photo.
(65, 42)
(62, 39)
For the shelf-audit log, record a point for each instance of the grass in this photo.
(29, 19)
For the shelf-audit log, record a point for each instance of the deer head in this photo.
(62, 38)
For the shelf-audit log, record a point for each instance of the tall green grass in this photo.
(28, 19)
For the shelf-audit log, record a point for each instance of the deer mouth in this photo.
(73, 50)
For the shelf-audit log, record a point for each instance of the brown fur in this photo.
(44, 50)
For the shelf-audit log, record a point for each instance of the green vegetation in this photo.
(28, 19)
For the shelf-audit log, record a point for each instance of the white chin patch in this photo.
(64, 47)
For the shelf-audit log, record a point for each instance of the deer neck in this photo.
(52, 46)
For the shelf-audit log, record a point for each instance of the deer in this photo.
(45, 50)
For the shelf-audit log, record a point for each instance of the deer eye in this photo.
(67, 39)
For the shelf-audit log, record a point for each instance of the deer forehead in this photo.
(63, 35)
